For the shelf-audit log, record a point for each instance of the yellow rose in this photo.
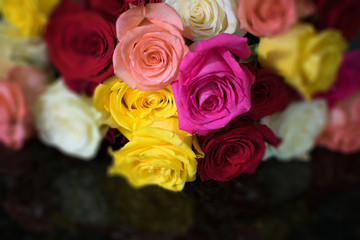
(155, 156)
(26, 18)
(129, 109)
(307, 60)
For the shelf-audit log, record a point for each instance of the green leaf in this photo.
(253, 55)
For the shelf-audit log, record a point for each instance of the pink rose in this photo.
(269, 17)
(347, 80)
(31, 80)
(13, 112)
(150, 46)
(213, 88)
(343, 130)
(19, 90)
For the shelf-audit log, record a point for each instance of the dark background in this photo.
(45, 195)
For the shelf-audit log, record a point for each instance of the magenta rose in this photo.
(213, 88)
(81, 43)
(347, 80)
(230, 152)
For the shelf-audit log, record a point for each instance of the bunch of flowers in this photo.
(196, 87)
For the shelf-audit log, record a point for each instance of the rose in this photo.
(111, 9)
(269, 17)
(31, 81)
(6, 50)
(26, 17)
(124, 107)
(308, 61)
(19, 51)
(213, 87)
(207, 19)
(81, 44)
(155, 157)
(13, 113)
(347, 79)
(298, 126)
(21, 88)
(269, 94)
(342, 133)
(339, 15)
(81, 86)
(344, 138)
(230, 152)
(68, 122)
(150, 46)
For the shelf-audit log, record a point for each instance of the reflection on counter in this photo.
(45, 195)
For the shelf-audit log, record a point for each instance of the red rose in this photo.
(81, 85)
(340, 15)
(111, 9)
(269, 94)
(81, 44)
(230, 152)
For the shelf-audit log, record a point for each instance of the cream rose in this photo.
(68, 122)
(20, 51)
(207, 18)
(298, 126)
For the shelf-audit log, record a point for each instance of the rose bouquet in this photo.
(210, 87)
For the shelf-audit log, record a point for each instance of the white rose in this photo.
(15, 51)
(68, 122)
(298, 126)
(208, 18)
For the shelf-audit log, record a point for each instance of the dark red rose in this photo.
(347, 80)
(230, 152)
(81, 86)
(111, 135)
(340, 15)
(81, 44)
(269, 94)
(111, 9)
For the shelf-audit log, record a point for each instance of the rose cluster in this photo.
(195, 87)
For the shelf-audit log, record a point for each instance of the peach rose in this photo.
(269, 17)
(343, 130)
(31, 80)
(13, 112)
(150, 46)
